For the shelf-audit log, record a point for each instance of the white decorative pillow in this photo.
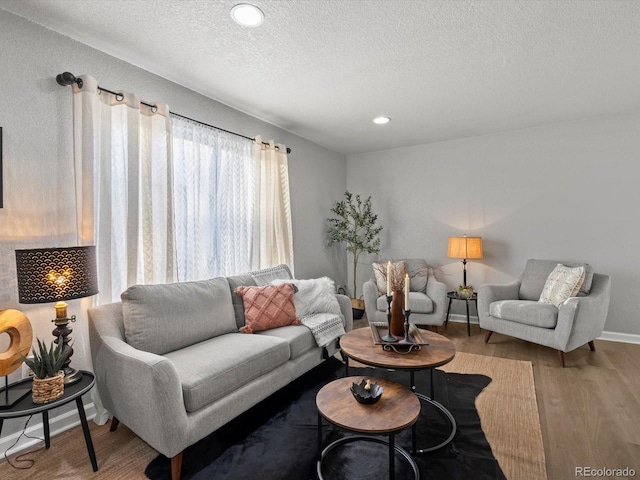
(563, 282)
(398, 271)
(316, 295)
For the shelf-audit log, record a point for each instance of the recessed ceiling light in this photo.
(381, 120)
(247, 15)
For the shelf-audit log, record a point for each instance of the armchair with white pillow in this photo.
(428, 296)
(561, 305)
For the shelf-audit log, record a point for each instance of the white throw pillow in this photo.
(316, 295)
(563, 282)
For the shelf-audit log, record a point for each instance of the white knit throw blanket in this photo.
(325, 327)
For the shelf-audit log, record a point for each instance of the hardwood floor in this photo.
(589, 414)
(589, 410)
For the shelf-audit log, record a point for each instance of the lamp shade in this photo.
(465, 247)
(56, 274)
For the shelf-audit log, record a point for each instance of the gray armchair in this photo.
(428, 304)
(513, 309)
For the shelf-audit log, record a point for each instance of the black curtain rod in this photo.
(65, 79)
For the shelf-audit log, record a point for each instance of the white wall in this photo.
(35, 113)
(566, 192)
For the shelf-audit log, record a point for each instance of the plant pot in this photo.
(465, 293)
(45, 390)
(357, 308)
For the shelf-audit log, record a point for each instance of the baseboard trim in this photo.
(457, 317)
(620, 337)
(57, 425)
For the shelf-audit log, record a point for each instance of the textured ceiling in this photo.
(324, 68)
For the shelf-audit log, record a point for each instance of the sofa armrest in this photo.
(142, 390)
(582, 319)
(437, 292)
(347, 312)
(371, 294)
(489, 293)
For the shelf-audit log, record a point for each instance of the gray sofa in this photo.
(428, 300)
(513, 309)
(190, 371)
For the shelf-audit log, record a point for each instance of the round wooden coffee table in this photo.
(397, 409)
(358, 345)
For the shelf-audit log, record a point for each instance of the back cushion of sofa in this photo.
(536, 273)
(236, 281)
(163, 318)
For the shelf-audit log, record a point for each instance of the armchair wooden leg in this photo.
(114, 424)
(487, 336)
(561, 356)
(176, 466)
(592, 346)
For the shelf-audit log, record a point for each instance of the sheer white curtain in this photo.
(215, 192)
(123, 164)
(275, 237)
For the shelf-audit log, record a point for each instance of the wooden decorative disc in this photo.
(17, 326)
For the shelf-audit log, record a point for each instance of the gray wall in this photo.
(566, 192)
(36, 116)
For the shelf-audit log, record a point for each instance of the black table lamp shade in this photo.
(56, 274)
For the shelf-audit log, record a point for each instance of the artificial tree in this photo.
(354, 225)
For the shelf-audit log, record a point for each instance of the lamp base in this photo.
(71, 375)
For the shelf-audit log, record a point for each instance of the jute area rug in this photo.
(508, 412)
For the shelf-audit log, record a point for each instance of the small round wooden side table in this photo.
(358, 345)
(397, 409)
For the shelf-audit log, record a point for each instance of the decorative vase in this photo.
(397, 317)
(45, 390)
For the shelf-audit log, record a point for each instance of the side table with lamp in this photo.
(464, 248)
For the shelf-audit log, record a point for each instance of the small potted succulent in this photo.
(465, 291)
(46, 365)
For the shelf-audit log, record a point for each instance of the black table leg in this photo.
(319, 437)
(45, 425)
(446, 322)
(1, 422)
(468, 321)
(87, 434)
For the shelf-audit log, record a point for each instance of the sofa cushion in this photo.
(238, 304)
(299, 338)
(214, 368)
(418, 270)
(527, 312)
(163, 318)
(536, 273)
(563, 282)
(269, 306)
(418, 301)
(315, 295)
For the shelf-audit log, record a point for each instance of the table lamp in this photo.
(55, 275)
(465, 248)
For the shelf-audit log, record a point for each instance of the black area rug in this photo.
(277, 439)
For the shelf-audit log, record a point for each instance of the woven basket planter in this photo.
(46, 390)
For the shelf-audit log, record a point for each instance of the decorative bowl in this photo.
(366, 395)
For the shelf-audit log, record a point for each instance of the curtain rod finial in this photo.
(67, 78)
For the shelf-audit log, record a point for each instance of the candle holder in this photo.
(406, 340)
(388, 337)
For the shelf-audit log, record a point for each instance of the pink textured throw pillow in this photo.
(268, 307)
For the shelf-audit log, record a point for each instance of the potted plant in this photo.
(46, 365)
(354, 224)
(465, 291)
